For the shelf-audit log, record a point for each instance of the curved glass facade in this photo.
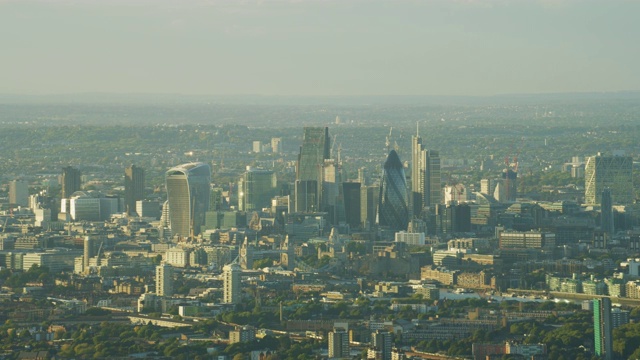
(188, 189)
(393, 211)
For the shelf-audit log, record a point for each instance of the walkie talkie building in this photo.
(188, 187)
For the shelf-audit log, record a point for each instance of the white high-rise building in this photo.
(232, 283)
(276, 145)
(164, 280)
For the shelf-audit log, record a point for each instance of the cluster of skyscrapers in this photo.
(395, 202)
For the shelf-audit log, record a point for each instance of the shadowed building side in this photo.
(133, 188)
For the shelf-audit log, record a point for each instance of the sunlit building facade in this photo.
(425, 177)
(613, 172)
(256, 188)
(188, 187)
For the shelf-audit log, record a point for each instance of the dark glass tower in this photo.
(71, 181)
(606, 212)
(313, 152)
(351, 191)
(393, 211)
(133, 188)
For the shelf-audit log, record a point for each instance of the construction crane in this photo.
(333, 145)
(99, 253)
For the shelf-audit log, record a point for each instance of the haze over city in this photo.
(318, 48)
(318, 180)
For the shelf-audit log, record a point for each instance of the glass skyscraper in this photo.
(613, 172)
(188, 187)
(256, 188)
(313, 152)
(425, 177)
(133, 188)
(71, 181)
(393, 211)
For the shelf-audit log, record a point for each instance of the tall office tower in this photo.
(619, 317)
(613, 172)
(425, 177)
(606, 213)
(382, 342)
(351, 192)
(332, 201)
(19, 192)
(499, 192)
(393, 211)
(603, 328)
(257, 146)
(369, 197)
(164, 280)
(510, 183)
(133, 188)
(216, 201)
(339, 344)
(361, 176)
(71, 181)
(488, 186)
(313, 152)
(256, 187)
(232, 285)
(165, 220)
(188, 187)
(89, 252)
(276, 145)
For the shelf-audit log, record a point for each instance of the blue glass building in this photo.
(393, 211)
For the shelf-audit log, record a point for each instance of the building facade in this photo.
(603, 328)
(393, 211)
(188, 187)
(19, 192)
(133, 188)
(338, 344)
(425, 177)
(232, 285)
(164, 280)
(613, 172)
(71, 181)
(256, 187)
(313, 152)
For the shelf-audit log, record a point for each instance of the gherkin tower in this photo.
(393, 211)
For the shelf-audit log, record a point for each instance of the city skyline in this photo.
(314, 48)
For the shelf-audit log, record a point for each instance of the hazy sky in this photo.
(312, 47)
